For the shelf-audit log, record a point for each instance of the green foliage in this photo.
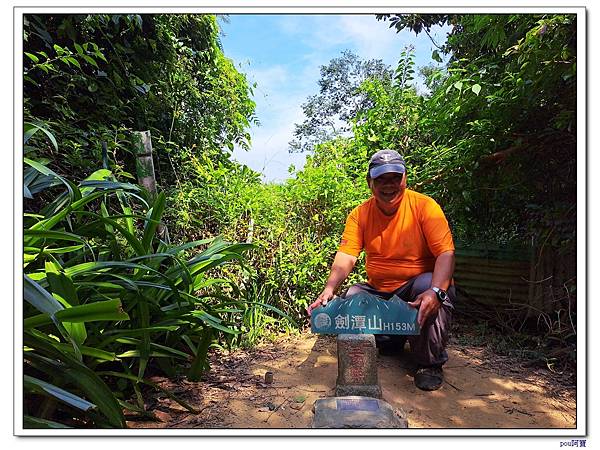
(110, 300)
(118, 301)
(433, 76)
(457, 141)
(212, 196)
(93, 78)
(394, 120)
(319, 199)
(416, 22)
(330, 112)
(297, 225)
(480, 142)
(498, 127)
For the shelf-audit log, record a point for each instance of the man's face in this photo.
(387, 188)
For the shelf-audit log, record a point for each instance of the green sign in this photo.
(365, 314)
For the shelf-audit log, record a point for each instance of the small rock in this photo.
(268, 377)
(162, 416)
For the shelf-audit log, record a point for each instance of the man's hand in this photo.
(428, 305)
(342, 266)
(322, 299)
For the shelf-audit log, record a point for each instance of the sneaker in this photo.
(429, 378)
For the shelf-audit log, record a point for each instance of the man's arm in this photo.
(443, 270)
(341, 268)
(427, 301)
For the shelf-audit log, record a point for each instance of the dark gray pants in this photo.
(429, 347)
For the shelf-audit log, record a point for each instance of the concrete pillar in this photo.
(143, 163)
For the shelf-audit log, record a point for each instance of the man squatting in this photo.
(409, 253)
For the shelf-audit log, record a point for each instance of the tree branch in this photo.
(431, 38)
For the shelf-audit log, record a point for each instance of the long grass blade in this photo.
(48, 172)
(36, 385)
(31, 422)
(153, 220)
(63, 365)
(65, 292)
(199, 363)
(39, 297)
(110, 310)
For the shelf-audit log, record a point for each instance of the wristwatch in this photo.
(442, 295)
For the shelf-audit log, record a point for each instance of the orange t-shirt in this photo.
(401, 246)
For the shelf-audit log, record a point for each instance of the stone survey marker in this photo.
(357, 402)
(357, 366)
(365, 314)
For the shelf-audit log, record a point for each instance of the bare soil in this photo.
(481, 390)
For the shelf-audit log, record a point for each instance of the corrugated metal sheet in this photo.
(493, 275)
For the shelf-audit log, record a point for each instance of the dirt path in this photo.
(478, 393)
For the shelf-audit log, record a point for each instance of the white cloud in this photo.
(371, 38)
(283, 87)
(272, 76)
(364, 34)
(292, 24)
(269, 155)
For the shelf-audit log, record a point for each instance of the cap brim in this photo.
(386, 168)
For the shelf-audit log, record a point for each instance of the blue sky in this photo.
(283, 55)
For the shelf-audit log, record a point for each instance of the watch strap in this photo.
(438, 291)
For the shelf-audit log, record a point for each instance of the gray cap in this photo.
(385, 161)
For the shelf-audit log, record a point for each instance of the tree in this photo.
(433, 75)
(95, 77)
(330, 112)
(505, 114)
